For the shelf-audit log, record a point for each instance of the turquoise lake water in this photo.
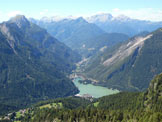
(95, 91)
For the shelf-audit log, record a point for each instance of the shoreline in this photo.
(92, 89)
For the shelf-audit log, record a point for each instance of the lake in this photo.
(95, 91)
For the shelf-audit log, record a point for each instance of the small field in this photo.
(54, 105)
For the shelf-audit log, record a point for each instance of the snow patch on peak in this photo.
(102, 17)
(51, 19)
(106, 17)
(57, 18)
(122, 18)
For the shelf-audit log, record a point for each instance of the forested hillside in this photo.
(125, 106)
(129, 65)
(33, 65)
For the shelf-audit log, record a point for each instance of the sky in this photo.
(137, 9)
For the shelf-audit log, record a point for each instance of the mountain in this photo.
(71, 31)
(122, 24)
(99, 43)
(122, 107)
(129, 65)
(80, 35)
(33, 64)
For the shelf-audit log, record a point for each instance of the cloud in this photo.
(13, 13)
(116, 10)
(142, 14)
(44, 12)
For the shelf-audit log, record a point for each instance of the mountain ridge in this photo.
(124, 65)
(80, 35)
(33, 65)
(123, 24)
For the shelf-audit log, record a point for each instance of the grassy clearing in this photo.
(18, 114)
(55, 105)
(45, 106)
(96, 104)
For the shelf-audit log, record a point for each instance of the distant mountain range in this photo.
(123, 24)
(129, 65)
(78, 34)
(33, 64)
(72, 32)
(108, 23)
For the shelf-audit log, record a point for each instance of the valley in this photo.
(124, 106)
(87, 85)
(86, 67)
(127, 65)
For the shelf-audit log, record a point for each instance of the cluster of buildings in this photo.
(85, 96)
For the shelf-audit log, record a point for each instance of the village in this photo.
(15, 116)
(85, 96)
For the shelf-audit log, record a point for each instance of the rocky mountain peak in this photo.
(80, 19)
(20, 20)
